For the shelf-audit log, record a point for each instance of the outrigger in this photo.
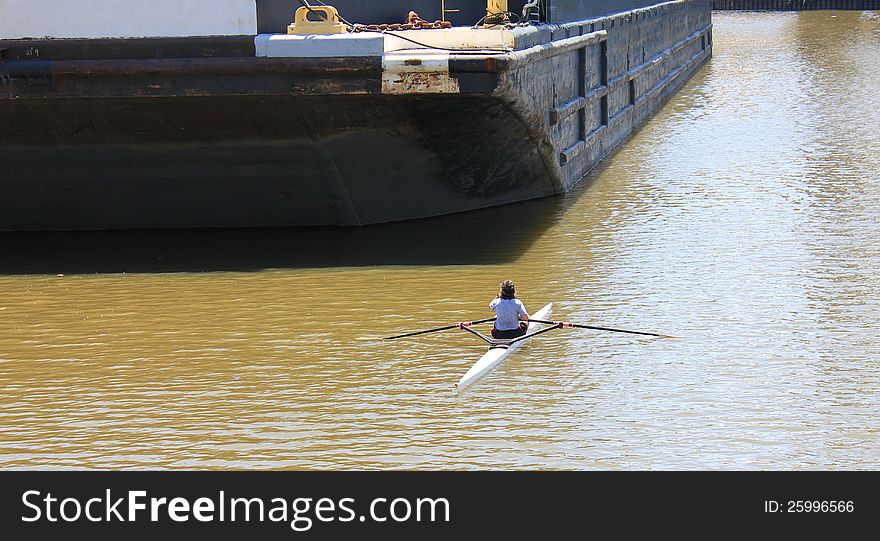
(500, 349)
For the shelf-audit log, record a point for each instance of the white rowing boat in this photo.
(499, 350)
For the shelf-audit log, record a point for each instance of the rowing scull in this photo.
(499, 351)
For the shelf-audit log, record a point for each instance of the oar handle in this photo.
(579, 326)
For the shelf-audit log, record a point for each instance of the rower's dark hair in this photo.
(508, 290)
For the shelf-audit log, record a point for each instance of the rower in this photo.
(512, 318)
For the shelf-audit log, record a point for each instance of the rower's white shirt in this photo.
(507, 312)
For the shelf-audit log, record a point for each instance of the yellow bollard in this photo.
(329, 23)
(496, 12)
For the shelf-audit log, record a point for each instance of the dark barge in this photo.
(270, 129)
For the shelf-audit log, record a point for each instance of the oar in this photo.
(579, 326)
(446, 328)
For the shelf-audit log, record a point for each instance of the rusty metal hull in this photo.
(260, 161)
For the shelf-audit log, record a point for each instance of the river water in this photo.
(744, 218)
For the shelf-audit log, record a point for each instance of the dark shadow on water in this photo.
(494, 235)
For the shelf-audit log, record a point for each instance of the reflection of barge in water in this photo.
(223, 122)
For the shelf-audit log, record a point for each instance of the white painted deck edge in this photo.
(314, 46)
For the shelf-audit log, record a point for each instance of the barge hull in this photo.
(168, 138)
(232, 161)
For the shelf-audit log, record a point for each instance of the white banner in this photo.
(125, 18)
